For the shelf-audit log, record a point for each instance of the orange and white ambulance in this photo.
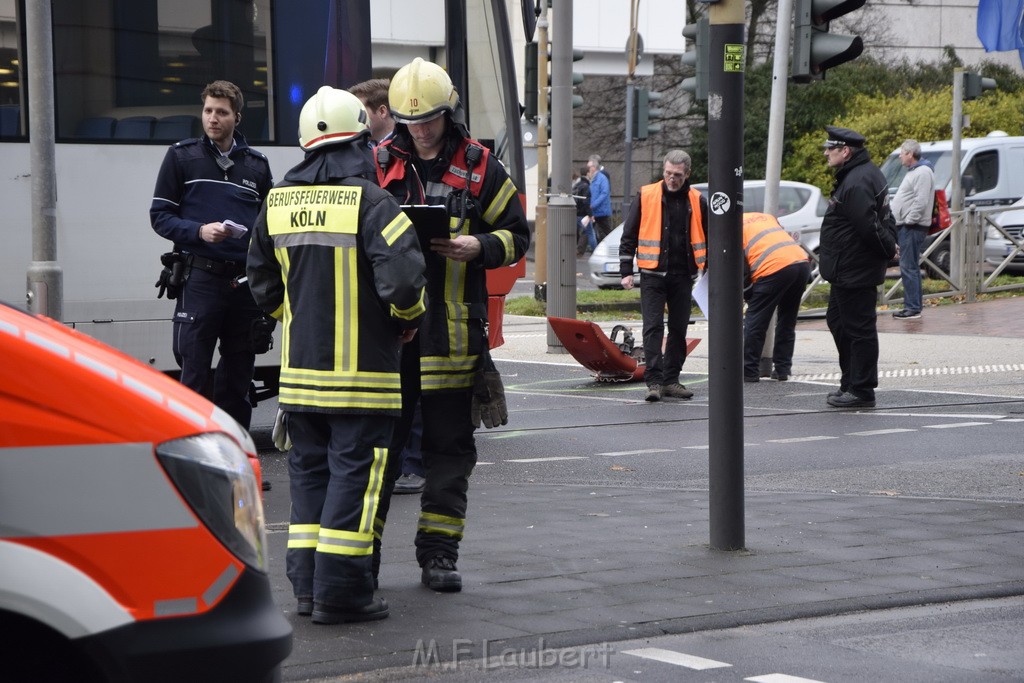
(132, 539)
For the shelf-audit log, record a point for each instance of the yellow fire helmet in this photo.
(329, 117)
(420, 92)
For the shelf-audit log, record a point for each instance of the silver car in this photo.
(998, 247)
(801, 208)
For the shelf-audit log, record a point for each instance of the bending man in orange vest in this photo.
(775, 273)
(665, 231)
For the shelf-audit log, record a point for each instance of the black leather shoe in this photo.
(836, 393)
(780, 377)
(848, 400)
(328, 614)
(751, 378)
(441, 575)
(304, 606)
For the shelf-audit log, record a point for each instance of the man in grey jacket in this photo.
(912, 209)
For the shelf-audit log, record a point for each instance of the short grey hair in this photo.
(912, 146)
(595, 159)
(678, 156)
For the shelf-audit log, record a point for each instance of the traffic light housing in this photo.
(644, 115)
(975, 84)
(815, 50)
(699, 57)
(530, 86)
(577, 79)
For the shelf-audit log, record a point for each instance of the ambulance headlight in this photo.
(214, 476)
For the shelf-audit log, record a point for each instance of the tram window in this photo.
(125, 59)
(12, 120)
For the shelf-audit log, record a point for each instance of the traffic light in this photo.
(644, 115)
(577, 78)
(530, 85)
(974, 85)
(815, 49)
(699, 58)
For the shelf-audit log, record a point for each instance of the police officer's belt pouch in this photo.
(172, 277)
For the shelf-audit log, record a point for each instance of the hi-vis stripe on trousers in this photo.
(336, 471)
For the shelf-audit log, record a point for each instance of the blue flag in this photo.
(1000, 25)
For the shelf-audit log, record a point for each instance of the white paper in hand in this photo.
(237, 230)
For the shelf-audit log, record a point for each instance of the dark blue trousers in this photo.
(852, 321)
(209, 310)
(780, 291)
(656, 293)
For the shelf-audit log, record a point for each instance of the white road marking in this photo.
(879, 432)
(780, 678)
(800, 439)
(567, 457)
(646, 450)
(952, 416)
(677, 658)
(954, 425)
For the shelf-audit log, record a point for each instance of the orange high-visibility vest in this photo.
(648, 247)
(767, 247)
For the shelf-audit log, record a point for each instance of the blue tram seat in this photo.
(178, 127)
(96, 128)
(10, 121)
(135, 128)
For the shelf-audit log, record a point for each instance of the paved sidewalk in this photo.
(588, 564)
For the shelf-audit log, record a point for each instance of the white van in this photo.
(992, 168)
(992, 174)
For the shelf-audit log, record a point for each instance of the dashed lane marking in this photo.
(565, 457)
(879, 432)
(799, 439)
(954, 425)
(641, 452)
(677, 658)
(925, 372)
(780, 678)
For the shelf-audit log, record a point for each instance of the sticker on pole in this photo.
(735, 58)
(720, 203)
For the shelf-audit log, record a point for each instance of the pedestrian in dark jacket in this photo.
(858, 239)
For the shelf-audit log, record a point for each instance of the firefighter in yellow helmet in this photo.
(337, 261)
(432, 160)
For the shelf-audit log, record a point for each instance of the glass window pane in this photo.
(139, 62)
(12, 115)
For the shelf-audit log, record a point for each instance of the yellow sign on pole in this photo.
(734, 59)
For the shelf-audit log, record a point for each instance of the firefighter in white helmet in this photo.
(432, 160)
(335, 259)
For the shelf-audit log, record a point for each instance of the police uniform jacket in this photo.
(192, 189)
(337, 261)
(858, 234)
(452, 336)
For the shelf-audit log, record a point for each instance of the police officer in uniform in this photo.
(202, 183)
(432, 160)
(858, 238)
(337, 261)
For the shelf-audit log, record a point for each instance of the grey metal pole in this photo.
(561, 206)
(627, 170)
(725, 255)
(776, 136)
(45, 278)
(956, 237)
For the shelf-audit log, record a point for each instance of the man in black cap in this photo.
(858, 239)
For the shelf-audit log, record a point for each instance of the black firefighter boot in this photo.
(441, 575)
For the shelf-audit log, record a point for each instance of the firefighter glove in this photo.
(280, 433)
(489, 404)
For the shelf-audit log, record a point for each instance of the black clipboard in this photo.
(430, 221)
